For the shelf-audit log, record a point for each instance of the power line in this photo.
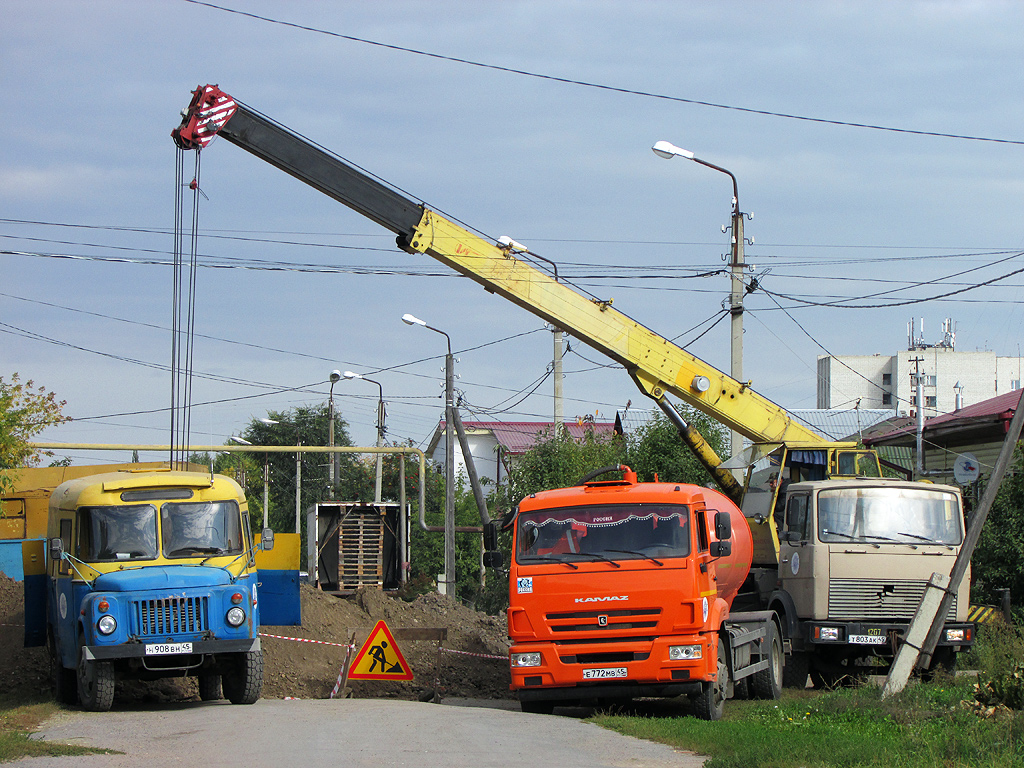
(602, 86)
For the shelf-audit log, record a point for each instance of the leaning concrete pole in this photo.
(938, 596)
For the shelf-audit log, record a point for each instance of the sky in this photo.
(879, 147)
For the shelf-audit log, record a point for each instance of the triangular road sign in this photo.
(380, 658)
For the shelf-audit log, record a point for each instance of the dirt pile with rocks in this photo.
(473, 658)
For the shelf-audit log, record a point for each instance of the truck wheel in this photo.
(242, 680)
(767, 684)
(95, 682)
(65, 681)
(209, 687)
(709, 704)
(794, 673)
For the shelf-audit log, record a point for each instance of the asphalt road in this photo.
(374, 733)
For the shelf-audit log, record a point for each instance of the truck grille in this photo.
(854, 599)
(603, 621)
(168, 616)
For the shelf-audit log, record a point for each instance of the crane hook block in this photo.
(208, 112)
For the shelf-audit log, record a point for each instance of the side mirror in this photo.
(490, 536)
(267, 540)
(723, 526)
(493, 559)
(721, 548)
(56, 549)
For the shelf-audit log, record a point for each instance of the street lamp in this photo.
(380, 430)
(298, 475)
(449, 455)
(667, 150)
(333, 458)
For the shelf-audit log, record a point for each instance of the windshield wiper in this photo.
(549, 558)
(861, 539)
(926, 539)
(634, 552)
(599, 557)
(195, 551)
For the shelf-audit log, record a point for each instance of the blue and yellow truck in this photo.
(149, 574)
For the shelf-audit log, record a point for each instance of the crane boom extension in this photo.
(656, 364)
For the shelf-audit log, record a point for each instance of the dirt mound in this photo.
(306, 669)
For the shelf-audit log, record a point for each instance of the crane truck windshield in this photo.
(606, 532)
(903, 515)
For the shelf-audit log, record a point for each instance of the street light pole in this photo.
(449, 494)
(380, 431)
(333, 458)
(737, 264)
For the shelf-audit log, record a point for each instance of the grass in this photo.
(17, 724)
(928, 725)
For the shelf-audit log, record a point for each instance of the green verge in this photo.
(925, 726)
(19, 721)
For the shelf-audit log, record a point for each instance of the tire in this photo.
(95, 682)
(709, 704)
(209, 687)
(65, 681)
(767, 684)
(537, 707)
(794, 673)
(242, 681)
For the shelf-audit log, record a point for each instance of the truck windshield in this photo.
(119, 532)
(904, 515)
(200, 528)
(613, 532)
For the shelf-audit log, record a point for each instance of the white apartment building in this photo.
(888, 381)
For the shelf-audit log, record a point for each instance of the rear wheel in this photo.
(767, 684)
(794, 673)
(242, 681)
(95, 682)
(209, 687)
(709, 704)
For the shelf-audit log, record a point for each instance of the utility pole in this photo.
(557, 371)
(736, 267)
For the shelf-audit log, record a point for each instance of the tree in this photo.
(657, 449)
(25, 411)
(998, 560)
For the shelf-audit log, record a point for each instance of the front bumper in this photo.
(137, 650)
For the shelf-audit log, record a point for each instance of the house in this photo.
(977, 430)
(495, 444)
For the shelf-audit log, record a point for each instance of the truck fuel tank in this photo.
(730, 570)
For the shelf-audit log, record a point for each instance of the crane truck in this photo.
(839, 554)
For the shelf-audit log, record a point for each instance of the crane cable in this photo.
(183, 302)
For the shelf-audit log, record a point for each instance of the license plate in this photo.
(166, 649)
(869, 639)
(603, 673)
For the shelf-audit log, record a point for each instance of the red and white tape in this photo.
(477, 655)
(307, 640)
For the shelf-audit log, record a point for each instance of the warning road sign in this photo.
(380, 658)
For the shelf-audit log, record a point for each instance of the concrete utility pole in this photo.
(449, 456)
(557, 372)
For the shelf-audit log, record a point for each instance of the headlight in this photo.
(955, 635)
(830, 633)
(106, 625)
(681, 652)
(235, 617)
(525, 659)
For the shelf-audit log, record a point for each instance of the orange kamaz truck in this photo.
(620, 589)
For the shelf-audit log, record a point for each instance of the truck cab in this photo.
(151, 574)
(855, 556)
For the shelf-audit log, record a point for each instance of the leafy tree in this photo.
(25, 411)
(998, 560)
(657, 449)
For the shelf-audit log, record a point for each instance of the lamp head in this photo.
(352, 375)
(667, 150)
(412, 320)
(335, 375)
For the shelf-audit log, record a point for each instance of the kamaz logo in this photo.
(601, 599)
